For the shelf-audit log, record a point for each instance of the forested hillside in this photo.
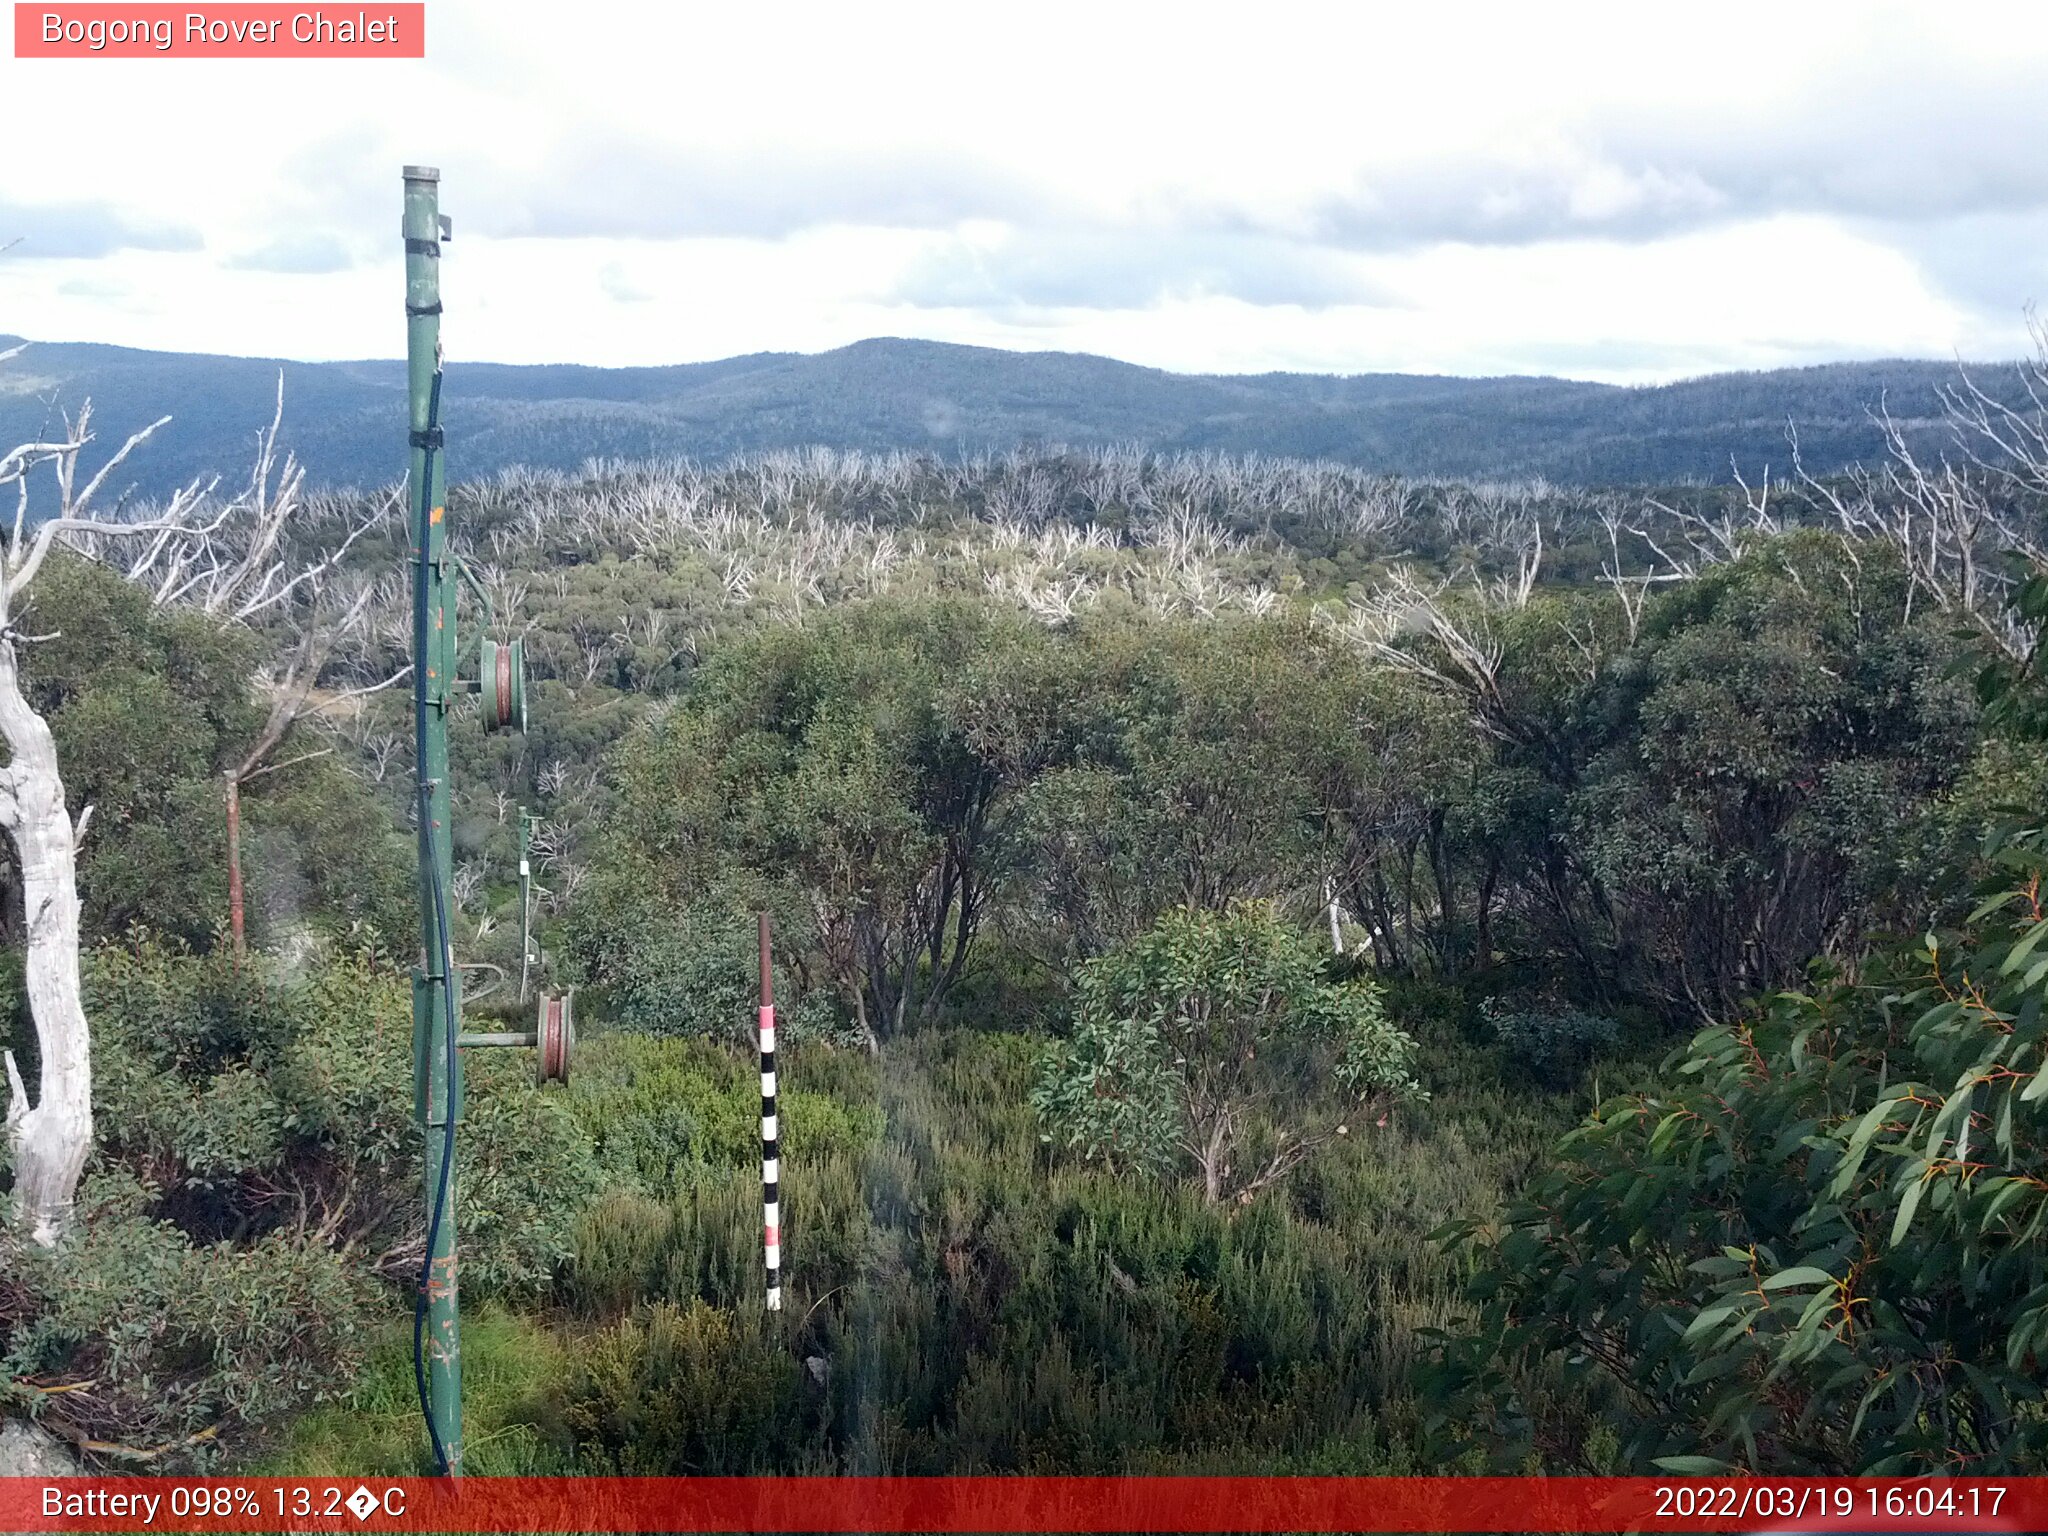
(1284, 967)
(886, 395)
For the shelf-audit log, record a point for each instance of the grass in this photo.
(508, 1358)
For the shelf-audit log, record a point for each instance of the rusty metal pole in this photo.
(236, 923)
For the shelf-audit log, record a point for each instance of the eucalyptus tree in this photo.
(1814, 1246)
(827, 765)
(1214, 1043)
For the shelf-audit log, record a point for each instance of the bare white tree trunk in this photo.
(51, 1139)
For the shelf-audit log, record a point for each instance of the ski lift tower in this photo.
(500, 681)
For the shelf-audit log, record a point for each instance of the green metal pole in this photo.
(437, 1003)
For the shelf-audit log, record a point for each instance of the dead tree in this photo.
(227, 556)
(1963, 528)
(1632, 588)
(244, 566)
(50, 1136)
(1406, 625)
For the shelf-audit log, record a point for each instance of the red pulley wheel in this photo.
(501, 681)
(557, 1039)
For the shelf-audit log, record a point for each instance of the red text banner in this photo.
(997, 1504)
(226, 31)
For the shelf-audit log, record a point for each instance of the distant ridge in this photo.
(345, 419)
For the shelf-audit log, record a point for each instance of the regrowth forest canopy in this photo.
(1283, 968)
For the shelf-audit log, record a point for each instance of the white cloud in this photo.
(1614, 191)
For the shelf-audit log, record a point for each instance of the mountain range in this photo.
(346, 420)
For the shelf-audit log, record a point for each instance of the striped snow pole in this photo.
(771, 1203)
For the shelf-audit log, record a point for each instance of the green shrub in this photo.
(149, 705)
(1813, 1247)
(955, 1301)
(258, 1188)
(255, 1102)
(683, 1391)
(619, 1243)
(527, 1168)
(693, 972)
(1213, 1044)
(177, 1342)
(1552, 1039)
(655, 1109)
(1006, 988)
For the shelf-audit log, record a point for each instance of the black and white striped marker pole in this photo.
(771, 1203)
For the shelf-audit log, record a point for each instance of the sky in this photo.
(1630, 193)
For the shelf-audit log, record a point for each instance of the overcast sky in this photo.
(1630, 193)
